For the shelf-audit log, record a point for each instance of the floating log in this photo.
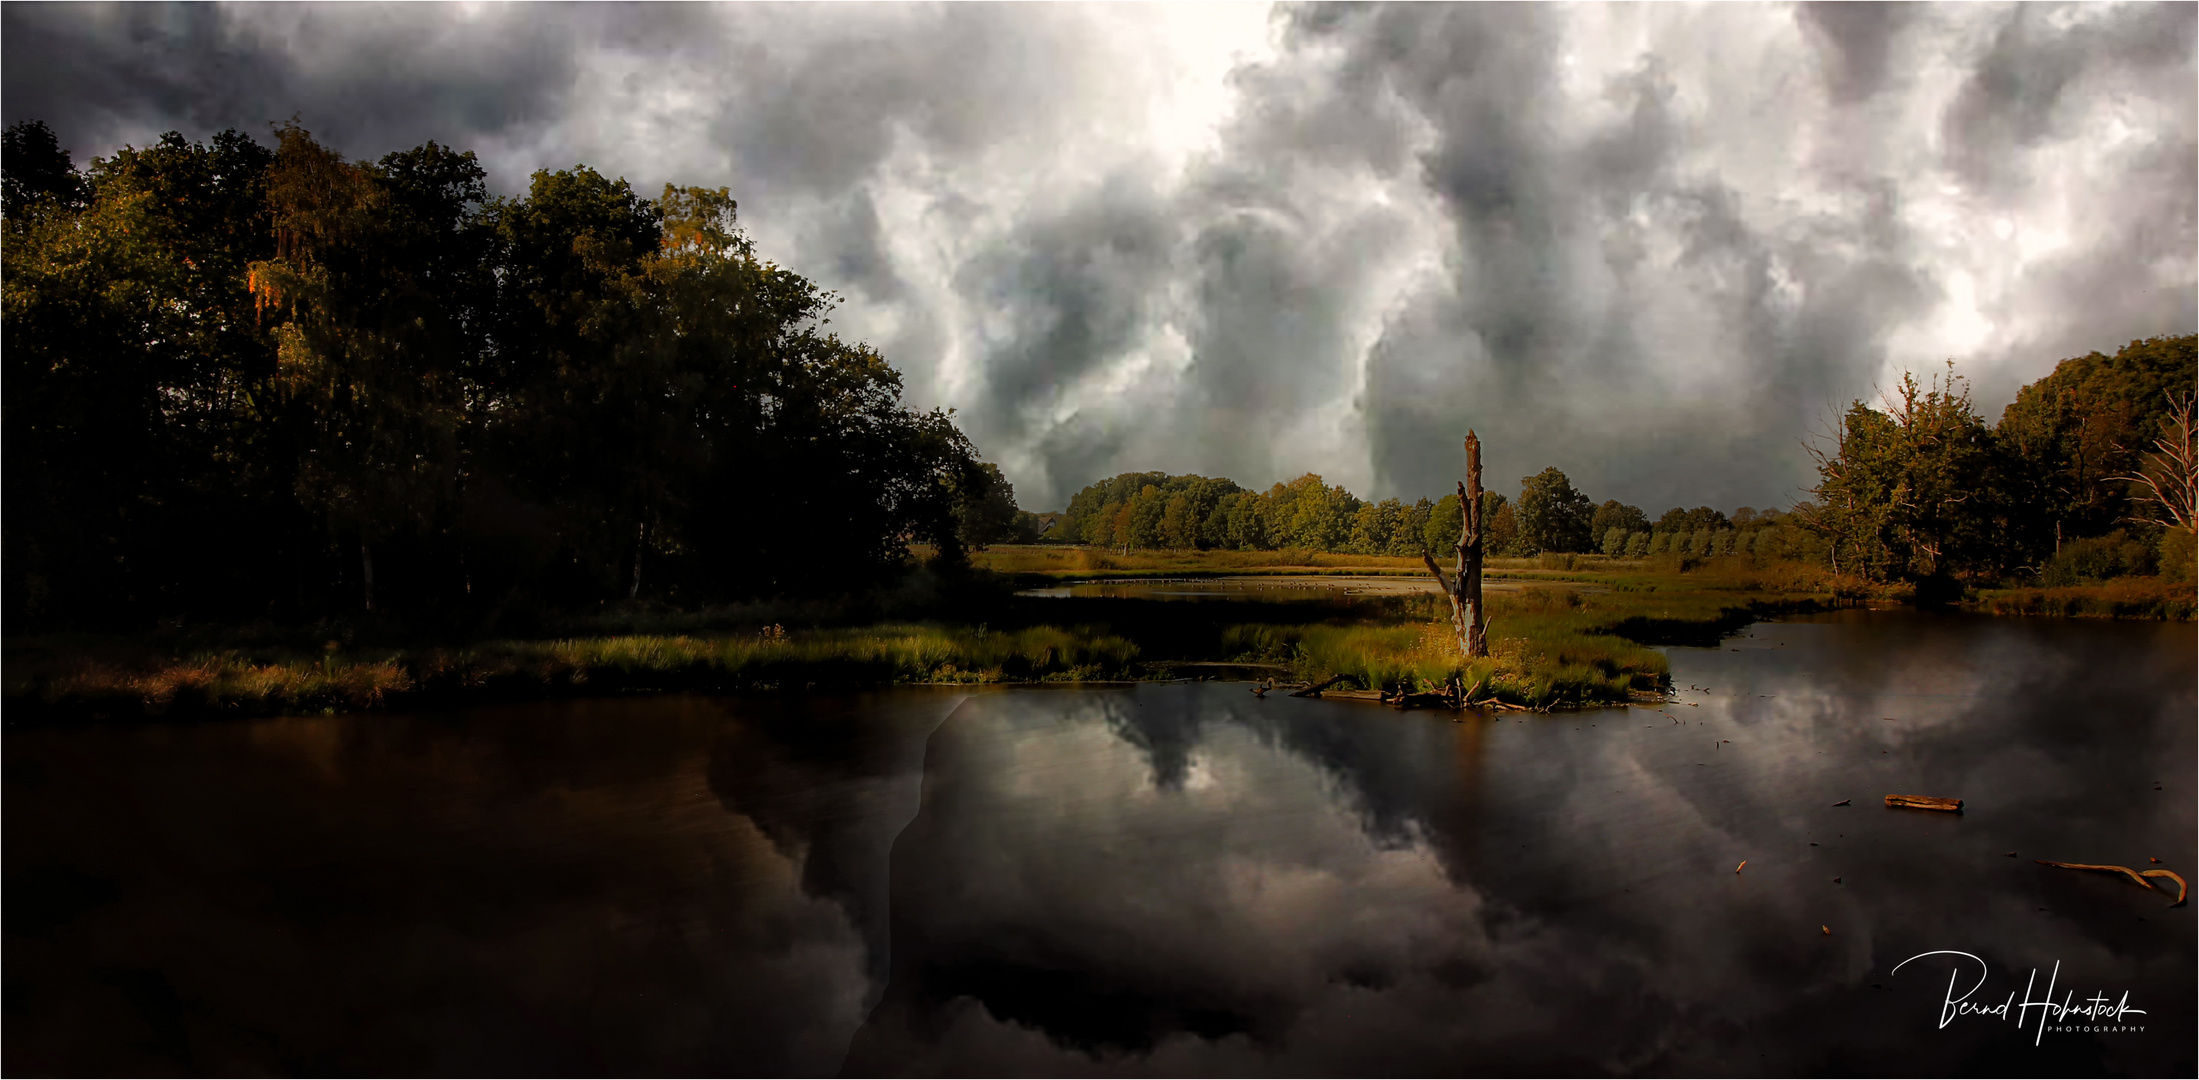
(2137, 877)
(1843, 802)
(1925, 802)
(1737, 869)
(1316, 688)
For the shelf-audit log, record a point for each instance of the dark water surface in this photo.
(1171, 879)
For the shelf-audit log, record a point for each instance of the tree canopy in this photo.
(1553, 516)
(1923, 487)
(254, 382)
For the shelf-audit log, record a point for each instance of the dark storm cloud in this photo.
(1854, 39)
(1540, 316)
(802, 105)
(1539, 343)
(852, 241)
(1069, 292)
(1264, 299)
(2007, 130)
(370, 80)
(1480, 75)
(1650, 245)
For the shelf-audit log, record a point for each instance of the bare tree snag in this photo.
(1468, 617)
(2171, 471)
(366, 570)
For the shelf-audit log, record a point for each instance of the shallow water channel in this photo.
(1169, 879)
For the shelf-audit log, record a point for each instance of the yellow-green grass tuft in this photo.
(2118, 598)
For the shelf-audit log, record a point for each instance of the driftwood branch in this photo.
(2182, 890)
(1315, 689)
(2137, 877)
(1925, 802)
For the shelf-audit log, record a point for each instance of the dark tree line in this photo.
(1159, 511)
(245, 382)
(2087, 475)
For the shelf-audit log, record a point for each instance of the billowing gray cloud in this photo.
(370, 81)
(1064, 294)
(1651, 245)
(1854, 40)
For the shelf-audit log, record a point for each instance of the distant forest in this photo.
(1159, 511)
(254, 383)
(2087, 476)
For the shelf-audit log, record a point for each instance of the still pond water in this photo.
(1175, 879)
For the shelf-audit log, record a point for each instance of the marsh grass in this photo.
(227, 682)
(237, 683)
(2117, 598)
(1074, 561)
(1582, 636)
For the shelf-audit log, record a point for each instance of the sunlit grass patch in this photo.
(2117, 598)
(224, 682)
(1545, 644)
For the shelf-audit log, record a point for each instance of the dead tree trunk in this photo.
(1468, 617)
(1469, 553)
(366, 570)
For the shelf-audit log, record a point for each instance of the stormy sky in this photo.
(1652, 245)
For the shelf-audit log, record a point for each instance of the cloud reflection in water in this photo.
(1180, 879)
